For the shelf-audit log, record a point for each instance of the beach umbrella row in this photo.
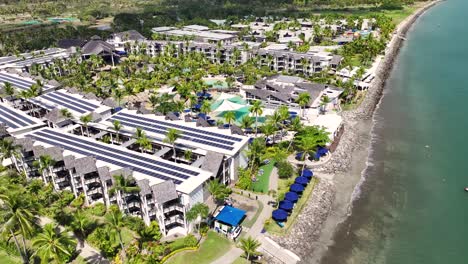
(279, 215)
(301, 180)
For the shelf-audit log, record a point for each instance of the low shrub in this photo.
(190, 241)
(78, 202)
(285, 169)
(97, 210)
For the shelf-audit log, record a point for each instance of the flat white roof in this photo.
(330, 121)
(77, 105)
(196, 27)
(202, 34)
(205, 138)
(144, 166)
(16, 121)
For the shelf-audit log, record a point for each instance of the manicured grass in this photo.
(8, 259)
(254, 219)
(263, 182)
(274, 228)
(241, 260)
(212, 248)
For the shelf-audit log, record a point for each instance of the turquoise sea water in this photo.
(412, 208)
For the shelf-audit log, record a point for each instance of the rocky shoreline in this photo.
(308, 225)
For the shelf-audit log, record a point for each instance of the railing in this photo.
(177, 207)
(174, 219)
(92, 180)
(94, 191)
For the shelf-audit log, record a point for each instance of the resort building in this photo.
(24, 62)
(284, 90)
(16, 122)
(197, 33)
(24, 81)
(119, 39)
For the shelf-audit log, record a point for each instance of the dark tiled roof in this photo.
(85, 165)
(54, 116)
(336, 59)
(164, 192)
(172, 117)
(202, 123)
(96, 47)
(56, 153)
(68, 43)
(25, 143)
(212, 162)
(145, 188)
(235, 130)
(104, 173)
(130, 35)
(69, 161)
(109, 102)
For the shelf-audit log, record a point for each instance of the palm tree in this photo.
(17, 216)
(145, 144)
(198, 211)
(249, 246)
(303, 100)
(218, 191)
(66, 113)
(206, 107)
(123, 185)
(257, 109)
(118, 94)
(80, 225)
(188, 155)
(115, 221)
(324, 101)
(229, 116)
(171, 137)
(9, 150)
(309, 138)
(8, 89)
(53, 244)
(86, 119)
(116, 126)
(44, 165)
(247, 122)
(269, 129)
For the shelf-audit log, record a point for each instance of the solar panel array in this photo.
(67, 101)
(39, 60)
(122, 158)
(14, 118)
(18, 81)
(204, 137)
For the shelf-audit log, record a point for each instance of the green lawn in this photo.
(212, 248)
(8, 259)
(263, 182)
(241, 260)
(274, 228)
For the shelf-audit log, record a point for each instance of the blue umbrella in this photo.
(286, 205)
(297, 188)
(299, 155)
(307, 173)
(197, 106)
(291, 196)
(279, 215)
(302, 180)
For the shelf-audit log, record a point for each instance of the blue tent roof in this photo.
(307, 173)
(297, 188)
(279, 215)
(291, 196)
(302, 180)
(230, 215)
(286, 205)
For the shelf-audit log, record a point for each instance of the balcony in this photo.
(94, 191)
(173, 220)
(92, 180)
(133, 204)
(175, 207)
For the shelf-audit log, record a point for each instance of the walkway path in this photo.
(88, 253)
(268, 246)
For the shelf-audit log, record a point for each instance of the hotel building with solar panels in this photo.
(169, 183)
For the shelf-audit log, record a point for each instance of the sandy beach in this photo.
(341, 177)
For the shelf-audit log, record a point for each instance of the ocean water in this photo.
(412, 207)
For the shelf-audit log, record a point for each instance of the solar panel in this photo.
(61, 103)
(21, 86)
(12, 118)
(23, 118)
(165, 128)
(73, 101)
(81, 101)
(17, 79)
(7, 122)
(203, 132)
(124, 154)
(104, 158)
(163, 131)
(41, 104)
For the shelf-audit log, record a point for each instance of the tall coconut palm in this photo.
(8, 89)
(206, 107)
(308, 139)
(122, 186)
(80, 225)
(257, 109)
(85, 119)
(9, 150)
(303, 100)
(247, 122)
(116, 126)
(145, 144)
(44, 165)
(249, 245)
(324, 101)
(269, 129)
(17, 217)
(198, 212)
(229, 117)
(53, 245)
(171, 137)
(115, 221)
